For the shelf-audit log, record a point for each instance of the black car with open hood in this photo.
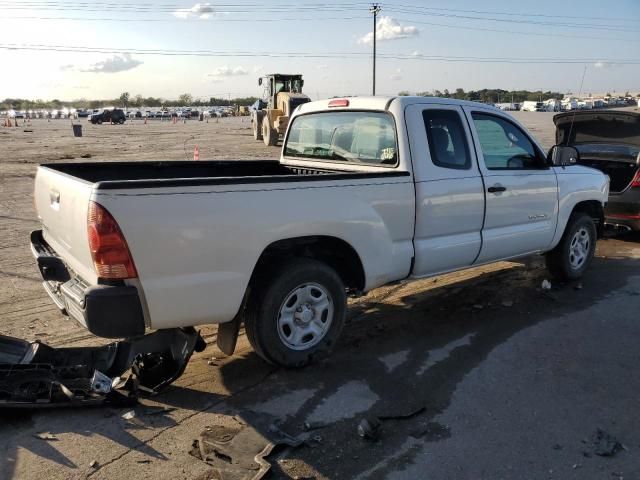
(610, 142)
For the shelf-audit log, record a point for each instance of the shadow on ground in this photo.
(404, 349)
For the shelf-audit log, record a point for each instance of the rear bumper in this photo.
(624, 209)
(110, 311)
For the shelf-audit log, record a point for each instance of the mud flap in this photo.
(33, 374)
(228, 335)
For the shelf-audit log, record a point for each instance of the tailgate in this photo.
(62, 202)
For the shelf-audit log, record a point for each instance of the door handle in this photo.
(496, 189)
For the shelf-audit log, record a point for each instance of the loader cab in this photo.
(278, 83)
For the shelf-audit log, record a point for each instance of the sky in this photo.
(70, 50)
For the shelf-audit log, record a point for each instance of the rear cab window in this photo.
(447, 139)
(345, 136)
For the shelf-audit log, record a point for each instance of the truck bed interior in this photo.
(123, 175)
(117, 171)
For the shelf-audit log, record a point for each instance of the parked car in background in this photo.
(610, 142)
(530, 106)
(114, 115)
(367, 191)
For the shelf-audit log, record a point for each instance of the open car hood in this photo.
(609, 127)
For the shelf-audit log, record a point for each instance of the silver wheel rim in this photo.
(579, 248)
(305, 316)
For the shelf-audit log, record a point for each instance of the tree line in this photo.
(125, 100)
(487, 95)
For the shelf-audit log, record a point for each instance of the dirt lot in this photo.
(508, 380)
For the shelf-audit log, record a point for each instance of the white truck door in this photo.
(449, 189)
(521, 189)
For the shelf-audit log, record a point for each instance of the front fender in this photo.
(577, 184)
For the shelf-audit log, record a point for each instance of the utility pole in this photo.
(375, 9)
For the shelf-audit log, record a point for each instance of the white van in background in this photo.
(530, 106)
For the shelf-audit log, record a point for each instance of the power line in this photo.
(523, 14)
(524, 22)
(346, 55)
(515, 32)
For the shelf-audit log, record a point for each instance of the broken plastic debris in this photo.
(604, 444)
(100, 382)
(546, 285)
(130, 415)
(46, 436)
(507, 303)
(369, 428)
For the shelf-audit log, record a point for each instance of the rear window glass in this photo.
(358, 137)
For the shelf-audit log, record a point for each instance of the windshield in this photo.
(360, 137)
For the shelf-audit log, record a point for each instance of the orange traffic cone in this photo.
(196, 153)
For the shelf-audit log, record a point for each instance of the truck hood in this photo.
(606, 127)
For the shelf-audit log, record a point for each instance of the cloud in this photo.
(115, 64)
(416, 53)
(226, 71)
(258, 68)
(397, 75)
(388, 28)
(68, 67)
(601, 64)
(322, 66)
(199, 10)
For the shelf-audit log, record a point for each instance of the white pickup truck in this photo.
(367, 191)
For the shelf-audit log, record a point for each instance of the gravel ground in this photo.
(509, 381)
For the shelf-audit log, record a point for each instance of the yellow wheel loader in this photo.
(270, 117)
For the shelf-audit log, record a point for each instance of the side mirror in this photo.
(260, 81)
(563, 156)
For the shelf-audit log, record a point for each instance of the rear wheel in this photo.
(296, 315)
(572, 256)
(257, 126)
(269, 135)
(99, 121)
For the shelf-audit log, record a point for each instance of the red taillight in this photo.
(109, 250)
(339, 102)
(636, 180)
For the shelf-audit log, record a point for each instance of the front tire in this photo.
(572, 256)
(269, 135)
(297, 313)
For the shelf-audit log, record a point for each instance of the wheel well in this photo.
(333, 251)
(594, 209)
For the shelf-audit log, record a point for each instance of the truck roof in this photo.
(383, 102)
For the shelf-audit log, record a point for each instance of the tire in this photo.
(257, 126)
(99, 121)
(297, 313)
(269, 135)
(572, 256)
(121, 121)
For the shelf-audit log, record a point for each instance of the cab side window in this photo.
(504, 145)
(447, 139)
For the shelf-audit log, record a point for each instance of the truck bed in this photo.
(119, 175)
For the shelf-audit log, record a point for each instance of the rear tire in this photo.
(257, 126)
(269, 135)
(99, 122)
(296, 314)
(572, 256)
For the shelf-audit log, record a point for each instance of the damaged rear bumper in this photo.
(109, 311)
(33, 374)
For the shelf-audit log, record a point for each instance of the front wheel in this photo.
(269, 134)
(572, 256)
(296, 315)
